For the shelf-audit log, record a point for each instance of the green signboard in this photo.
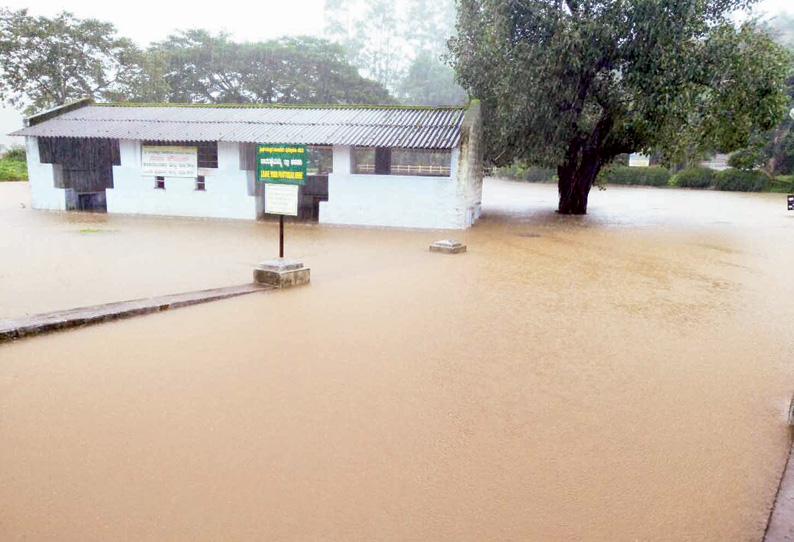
(284, 164)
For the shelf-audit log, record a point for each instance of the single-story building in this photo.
(418, 167)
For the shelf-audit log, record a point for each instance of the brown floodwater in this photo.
(621, 376)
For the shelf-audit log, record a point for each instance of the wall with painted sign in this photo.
(227, 192)
(169, 161)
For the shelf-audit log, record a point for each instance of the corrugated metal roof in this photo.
(403, 127)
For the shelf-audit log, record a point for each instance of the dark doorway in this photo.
(84, 167)
(309, 197)
(92, 202)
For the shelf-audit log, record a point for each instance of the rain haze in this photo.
(529, 311)
(148, 21)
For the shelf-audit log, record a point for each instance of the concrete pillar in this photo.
(342, 159)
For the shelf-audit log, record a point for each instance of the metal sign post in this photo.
(281, 236)
(282, 168)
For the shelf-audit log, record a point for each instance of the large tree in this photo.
(202, 67)
(45, 62)
(571, 84)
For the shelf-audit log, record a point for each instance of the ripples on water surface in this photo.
(618, 376)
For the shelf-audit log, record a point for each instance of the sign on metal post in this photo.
(281, 164)
(791, 202)
(282, 168)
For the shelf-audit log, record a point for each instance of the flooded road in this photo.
(616, 377)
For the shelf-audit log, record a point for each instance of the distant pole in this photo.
(280, 236)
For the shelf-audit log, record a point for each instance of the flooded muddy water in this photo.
(615, 377)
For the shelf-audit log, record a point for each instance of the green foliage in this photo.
(746, 159)
(738, 180)
(199, 67)
(530, 174)
(16, 152)
(572, 84)
(13, 169)
(782, 184)
(45, 62)
(641, 176)
(694, 177)
(773, 149)
(535, 174)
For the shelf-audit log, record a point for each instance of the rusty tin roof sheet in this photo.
(399, 127)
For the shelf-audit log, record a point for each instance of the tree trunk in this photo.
(576, 178)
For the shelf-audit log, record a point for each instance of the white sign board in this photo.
(639, 160)
(281, 199)
(169, 161)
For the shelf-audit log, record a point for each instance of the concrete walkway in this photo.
(54, 321)
(781, 522)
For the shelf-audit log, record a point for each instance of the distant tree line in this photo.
(45, 62)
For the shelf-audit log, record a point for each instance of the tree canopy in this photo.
(49, 61)
(198, 66)
(45, 62)
(571, 84)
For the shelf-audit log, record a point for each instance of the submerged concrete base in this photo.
(282, 273)
(38, 324)
(448, 246)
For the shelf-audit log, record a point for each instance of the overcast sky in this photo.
(146, 21)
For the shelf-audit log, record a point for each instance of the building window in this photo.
(363, 160)
(319, 160)
(200, 183)
(384, 161)
(207, 151)
(159, 183)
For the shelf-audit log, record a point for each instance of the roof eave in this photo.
(38, 118)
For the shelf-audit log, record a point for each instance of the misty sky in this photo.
(146, 21)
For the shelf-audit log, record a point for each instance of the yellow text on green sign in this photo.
(284, 164)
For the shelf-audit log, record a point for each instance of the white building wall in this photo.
(43, 194)
(226, 193)
(392, 200)
(718, 162)
(468, 158)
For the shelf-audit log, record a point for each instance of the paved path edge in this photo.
(38, 324)
(781, 520)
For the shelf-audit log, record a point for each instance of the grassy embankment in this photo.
(13, 166)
